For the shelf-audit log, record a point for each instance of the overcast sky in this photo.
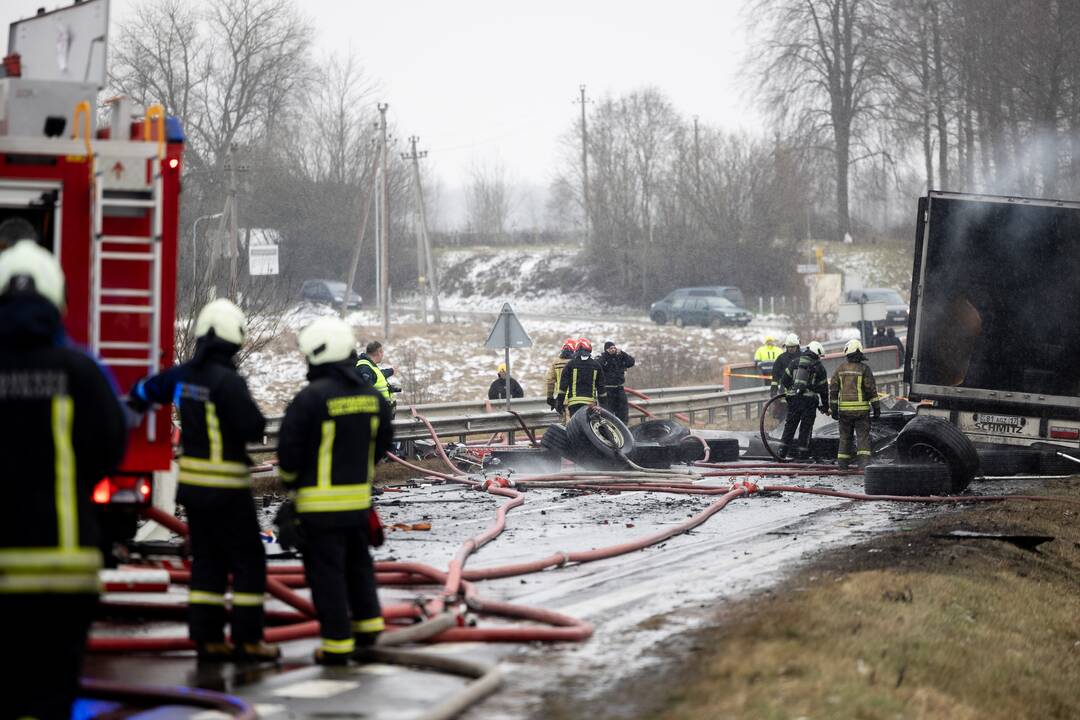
(485, 79)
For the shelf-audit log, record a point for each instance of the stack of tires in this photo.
(596, 439)
(663, 443)
(933, 458)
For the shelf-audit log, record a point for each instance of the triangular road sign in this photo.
(507, 332)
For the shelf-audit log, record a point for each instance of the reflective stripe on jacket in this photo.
(381, 386)
(334, 432)
(852, 388)
(767, 353)
(580, 383)
(63, 430)
(218, 417)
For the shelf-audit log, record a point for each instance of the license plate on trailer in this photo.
(999, 424)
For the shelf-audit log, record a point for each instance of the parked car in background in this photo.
(660, 312)
(895, 306)
(327, 292)
(711, 312)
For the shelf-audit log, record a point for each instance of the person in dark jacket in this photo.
(582, 381)
(891, 339)
(63, 430)
(879, 339)
(218, 417)
(792, 350)
(615, 363)
(333, 433)
(806, 386)
(497, 389)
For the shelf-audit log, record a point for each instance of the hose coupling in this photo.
(749, 486)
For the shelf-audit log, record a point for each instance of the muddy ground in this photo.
(916, 624)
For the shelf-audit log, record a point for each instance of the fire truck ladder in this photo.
(107, 298)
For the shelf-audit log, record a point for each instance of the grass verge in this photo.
(913, 625)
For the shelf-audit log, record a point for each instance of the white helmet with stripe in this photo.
(853, 346)
(327, 340)
(225, 320)
(816, 348)
(26, 267)
(792, 340)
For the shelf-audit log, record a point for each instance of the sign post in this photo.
(506, 333)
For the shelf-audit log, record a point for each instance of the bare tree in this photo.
(489, 201)
(824, 70)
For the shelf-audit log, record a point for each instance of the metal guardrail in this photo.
(460, 420)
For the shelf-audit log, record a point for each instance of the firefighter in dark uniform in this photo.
(333, 433)
(615, 363)
(852, 397)
(806, 387)
(581, 383)
(218, 417)
(63, 430)
(780, 365)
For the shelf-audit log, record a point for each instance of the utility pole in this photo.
(584, 161)
(228, 223)
(697, 159)
(428, 277)
(368, 199)
(384, 235)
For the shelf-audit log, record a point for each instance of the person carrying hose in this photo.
(806, 387)
(554, 375)
(218, 418)
(333, 433)
(852, 396)
(581, 382)
(63, 429)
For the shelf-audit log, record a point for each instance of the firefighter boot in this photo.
(365, 646)
(211, 652)
(331, 659)
(843, 463)
(258, 652)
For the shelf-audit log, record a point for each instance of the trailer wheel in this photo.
(665, 432)
(909, 480)
(934, 440)
(555, 438)
(595, 431)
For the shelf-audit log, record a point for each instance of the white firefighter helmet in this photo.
(225, 319)
(792, 340)
(30, 267)
(327, 340)
(816, 348)
(853, 346)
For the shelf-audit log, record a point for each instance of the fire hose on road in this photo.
(441, 618)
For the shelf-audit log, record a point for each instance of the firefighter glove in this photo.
(560, 406)
(824, 410)
(835, 411)
(773, 390)
(551, 403)
(877, 411)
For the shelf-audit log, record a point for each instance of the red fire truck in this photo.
(100, 188)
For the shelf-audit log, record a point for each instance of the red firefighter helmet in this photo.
(569, 344)
(584, 344)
